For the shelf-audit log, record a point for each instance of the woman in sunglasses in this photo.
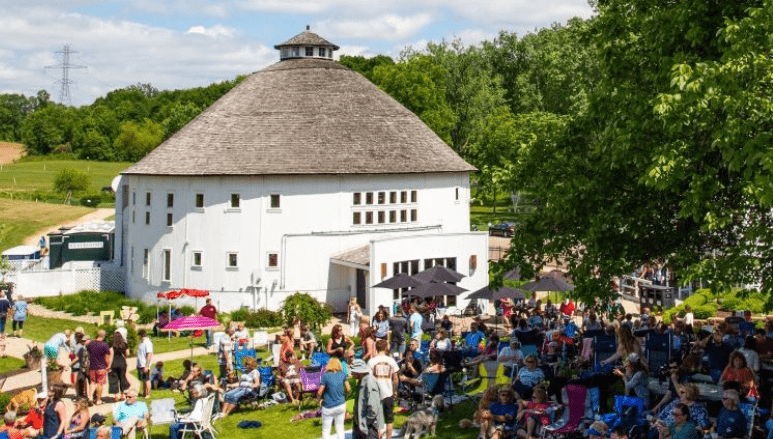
(681, 427)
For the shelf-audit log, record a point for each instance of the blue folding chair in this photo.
(658, 348)
(319, 359)
(267, 375)
(604, 346)
(239, 357)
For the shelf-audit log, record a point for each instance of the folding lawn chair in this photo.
(572, 416)
(311, 377)
(240, 355)
(199, 426)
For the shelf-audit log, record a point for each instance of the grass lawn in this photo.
(42, 328)
(38, 173)
(483, 215)
(19, 219)
(8, 364)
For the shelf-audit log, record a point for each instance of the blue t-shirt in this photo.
(499, 409)
(416, 321)
(731, 423)
(334, 389)
(473, 338)
(20, 310)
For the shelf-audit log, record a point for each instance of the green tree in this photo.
(45, 129)
(365, 66)
(302, 308)
(669, 160)
(135, 140)
(178, 115)
(68, 181)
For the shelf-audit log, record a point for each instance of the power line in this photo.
(64, 93)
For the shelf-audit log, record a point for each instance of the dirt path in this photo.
(99, 214)
(10, 152)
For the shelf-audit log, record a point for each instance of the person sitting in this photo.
(511, 356)
(176, 383)
(533, 413)
(635, 378)
(131, 415)
(79, 420)
(157, 376)
(447, 324)
(241, 335)
(749, 351)
(32, 425)
(718, 352)
(308, 341)
(435, 362)
(488, 353)
(340, 345)
(498, 422)
(9, 419)
(740, 372)
(198, 395)
(474, 337)
(536, 321)
(688, 396)
(731, 422)
(597, 430)
(528, 377)
(249, 381)
(627, 344)
(676, 377)
(680, 428)
(289, 375)
(161, 322)
(408, 374)
(441, 342)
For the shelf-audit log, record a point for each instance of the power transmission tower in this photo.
(64, 93)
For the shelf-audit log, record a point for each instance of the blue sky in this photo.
(176, 44)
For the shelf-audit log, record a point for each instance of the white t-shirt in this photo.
(507, 352)
(145, 348)
(383, 368)
(689, 319)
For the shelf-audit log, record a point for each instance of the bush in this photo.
(187, 310)
(263, 318)
(90, 200)
(699, 298)
(90, 301)
(71, 180)
(301, 307)
(705, 311)
(5, 399)
(240, 315)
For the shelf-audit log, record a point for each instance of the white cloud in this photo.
(214, 31)
(385, 27)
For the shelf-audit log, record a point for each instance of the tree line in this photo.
(641, 133)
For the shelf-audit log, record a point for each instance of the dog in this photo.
(22, 399)
(424, 420)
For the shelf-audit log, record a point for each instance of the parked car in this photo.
(503, 229)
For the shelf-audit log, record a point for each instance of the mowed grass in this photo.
(38, 174)
(20, 219)
(8, 364)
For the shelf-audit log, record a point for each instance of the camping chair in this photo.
(748, 411)
(658, 348)
(573, 413)
(310, 380)
(199, 426)
(144, 431)
(604, 346)
(629, 412)
(162, 411)
(438, 384)
(239, 356)
(490, 373)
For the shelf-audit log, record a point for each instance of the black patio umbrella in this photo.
(432, 289)
(514, 274)
(401, 280)
(548, 283)
(438, 273)
(498, 294)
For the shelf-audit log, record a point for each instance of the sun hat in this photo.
(359, 366)
(41, 395)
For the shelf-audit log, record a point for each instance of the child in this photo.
(157, 376)
(535, 411)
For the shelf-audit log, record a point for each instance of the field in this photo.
(19, 219)
(37, 174)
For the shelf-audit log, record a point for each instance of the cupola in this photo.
(306, 44)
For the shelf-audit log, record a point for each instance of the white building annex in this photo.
(305, 177)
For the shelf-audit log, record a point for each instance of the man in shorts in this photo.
(308, 342)
(224, 351)
(384, 368)
(398, 325)
(99, 360)
(144, 361)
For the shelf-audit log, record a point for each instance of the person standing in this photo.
(209, 311)
(5, 305)
(80, 367)
(51, 354)
(415, 321)
(398, 325)
(144, 360)
(354, 316)
(224, 351)
(384, 368)
(368, 422)
(99, 359)
(332, 391)
(119, 351)
(19, 315)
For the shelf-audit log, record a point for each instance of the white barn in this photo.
(305, 177)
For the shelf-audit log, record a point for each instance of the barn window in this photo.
(381, 197)
(232, 260)
(196, 259)
(200, 201)
(356, 218)
(404, 197)
(403, 216)
(392, 216)
(381, 217)
(134, 198)
(169, 200)
(147, 198)
(357, 198)
(273, 260)
(369, 198)
(145, 263)
(309, 51)
(275, 201)
(235, 199)
(167, 269)
(134, 217)
(296, 51)
(322, 52)
(414, 196)
(368, 217)
(414, 215)
(169, 219)
(393, 197)
(147, 218)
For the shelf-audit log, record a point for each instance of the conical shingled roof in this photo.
(307, 38)
(303, 116)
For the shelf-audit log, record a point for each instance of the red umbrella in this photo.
(194, 293)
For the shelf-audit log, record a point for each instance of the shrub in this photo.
(731, 303)
(71, 180)
(5, 399)
(240, 315)
(705, 311)
(301, 307)
(187, 310)
(263, 318)
(90, 200)
(697, 299)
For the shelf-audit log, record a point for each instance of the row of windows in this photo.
(308, 50)
(380, 217)
(359, 198)
(198, 200)
(197, 261)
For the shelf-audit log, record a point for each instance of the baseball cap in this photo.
(359, 366)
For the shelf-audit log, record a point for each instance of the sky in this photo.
(175, 44)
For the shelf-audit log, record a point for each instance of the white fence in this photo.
(40, 282)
